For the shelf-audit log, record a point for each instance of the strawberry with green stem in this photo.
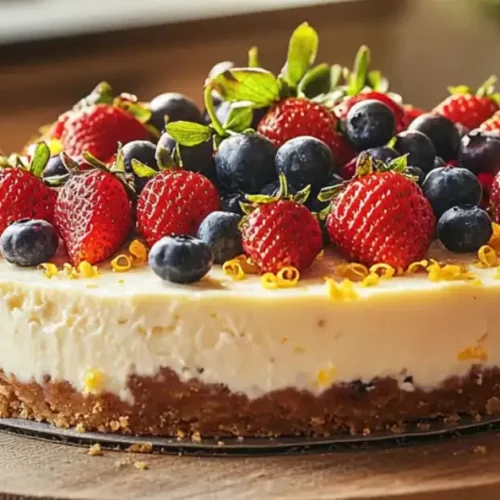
(381, 216)
(279, 231)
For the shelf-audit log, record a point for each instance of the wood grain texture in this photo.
(456, 470)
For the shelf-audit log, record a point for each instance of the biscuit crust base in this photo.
(164, 405)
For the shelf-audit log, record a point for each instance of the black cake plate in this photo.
(412, 435)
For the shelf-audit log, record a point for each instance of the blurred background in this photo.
(52, 52)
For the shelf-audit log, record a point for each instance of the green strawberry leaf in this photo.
(316, 81)
(358, 77)
(69, 163)
(302, 50)
(164, 158)
(40, 158)
(377, 81)
(56, 180)
(364, 164)
(142, 170)
(487, 88)
(256, 85)
(14, 160)
(335, 76)
(120, 161)
(239, 118)
(253, 58)
(92, 160)
(102, 94)
(188, 133)
(459, 89)
(140, 113)
(330, 192)
(247, 209)
(303, 195)
(398, 164)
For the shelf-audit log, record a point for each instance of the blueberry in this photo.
(446, 187)
(176, 106)
(273, 188)
(439, 162)
(55, 167)
(416, 172)
(480, 152)
(220, 231)
(231, 203)
(29, 242)
(383, 153)
(369, 124)
(143, 151)
(313, 204)
(197, 158)
(442, 133)
(245, 162)
(464, 229)
(305, 161)
(180, 259)
(419, 148)
(462, 129)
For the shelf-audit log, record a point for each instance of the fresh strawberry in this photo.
(174, 202)
(281, 232)
(294, 117)
(23, 194)
(343, 107)
(93, 215)
(491, 124)
(99, 129)
(495, 199)
(411, 112)
(381, 217)
(486, 180)
(467, 108)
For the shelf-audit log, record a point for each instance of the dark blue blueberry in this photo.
(313, 204)
(176, 106)
(180, 259)
(245, 163)
(197, 158)
(439, 162)
(446, 187)
(369, 124)
(143, 151)
(464, 229)
(418, 173)
(462, 129)
(305, 161)
(29, 242)
(220, 231)
(480, 152)
(55, 167)
(232, 203)
(442, 133)
(419, 148)
(273, 188)
(383, 153)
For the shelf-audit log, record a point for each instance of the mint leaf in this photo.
(40, 158)
(358, 77)
(316, 81)
(302, 51)
(255, 85)
(188, 133)
(142, 170)
(239, 118)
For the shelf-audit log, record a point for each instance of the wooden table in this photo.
(454, 470)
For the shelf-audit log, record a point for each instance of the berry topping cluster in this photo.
(272, 170)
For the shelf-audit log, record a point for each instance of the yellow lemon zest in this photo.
(321, 254)
(87, 270)
(93, 381)
(343, 291)
(55, 146)
(385, 271)
(70, 271)
(352, 271)
(49, 270)
(325, 377)
(269, 281)
(487, 257)
(448, 272)
(138, 252)
(495, 237)
(415, 267)
(288, 277)
(233, 269)
(121, 263)
(371, 280)
(246, 264)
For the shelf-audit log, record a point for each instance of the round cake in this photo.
(311, 257)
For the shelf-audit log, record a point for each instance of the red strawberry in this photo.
(343, 108)
(174, 202)
(281, 232)
(99, 129)
(93, 215)
(381, 217)
(468, 109)
(23, 194)
(495, 199)
(486, 180)
(492, 124)
(294, 117)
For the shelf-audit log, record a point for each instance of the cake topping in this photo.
(138, 252)
(487, 257)
(352, 271)
(93, 381)
(50, 270)
(121, 263)
(475, 353)
(234, 269)
(340, 291)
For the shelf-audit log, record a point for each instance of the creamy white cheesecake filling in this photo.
(239, 334)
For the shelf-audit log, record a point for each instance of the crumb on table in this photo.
(95, 450)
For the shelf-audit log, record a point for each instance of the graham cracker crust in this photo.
(166, 406)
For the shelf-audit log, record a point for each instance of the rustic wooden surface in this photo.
(455, 470)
